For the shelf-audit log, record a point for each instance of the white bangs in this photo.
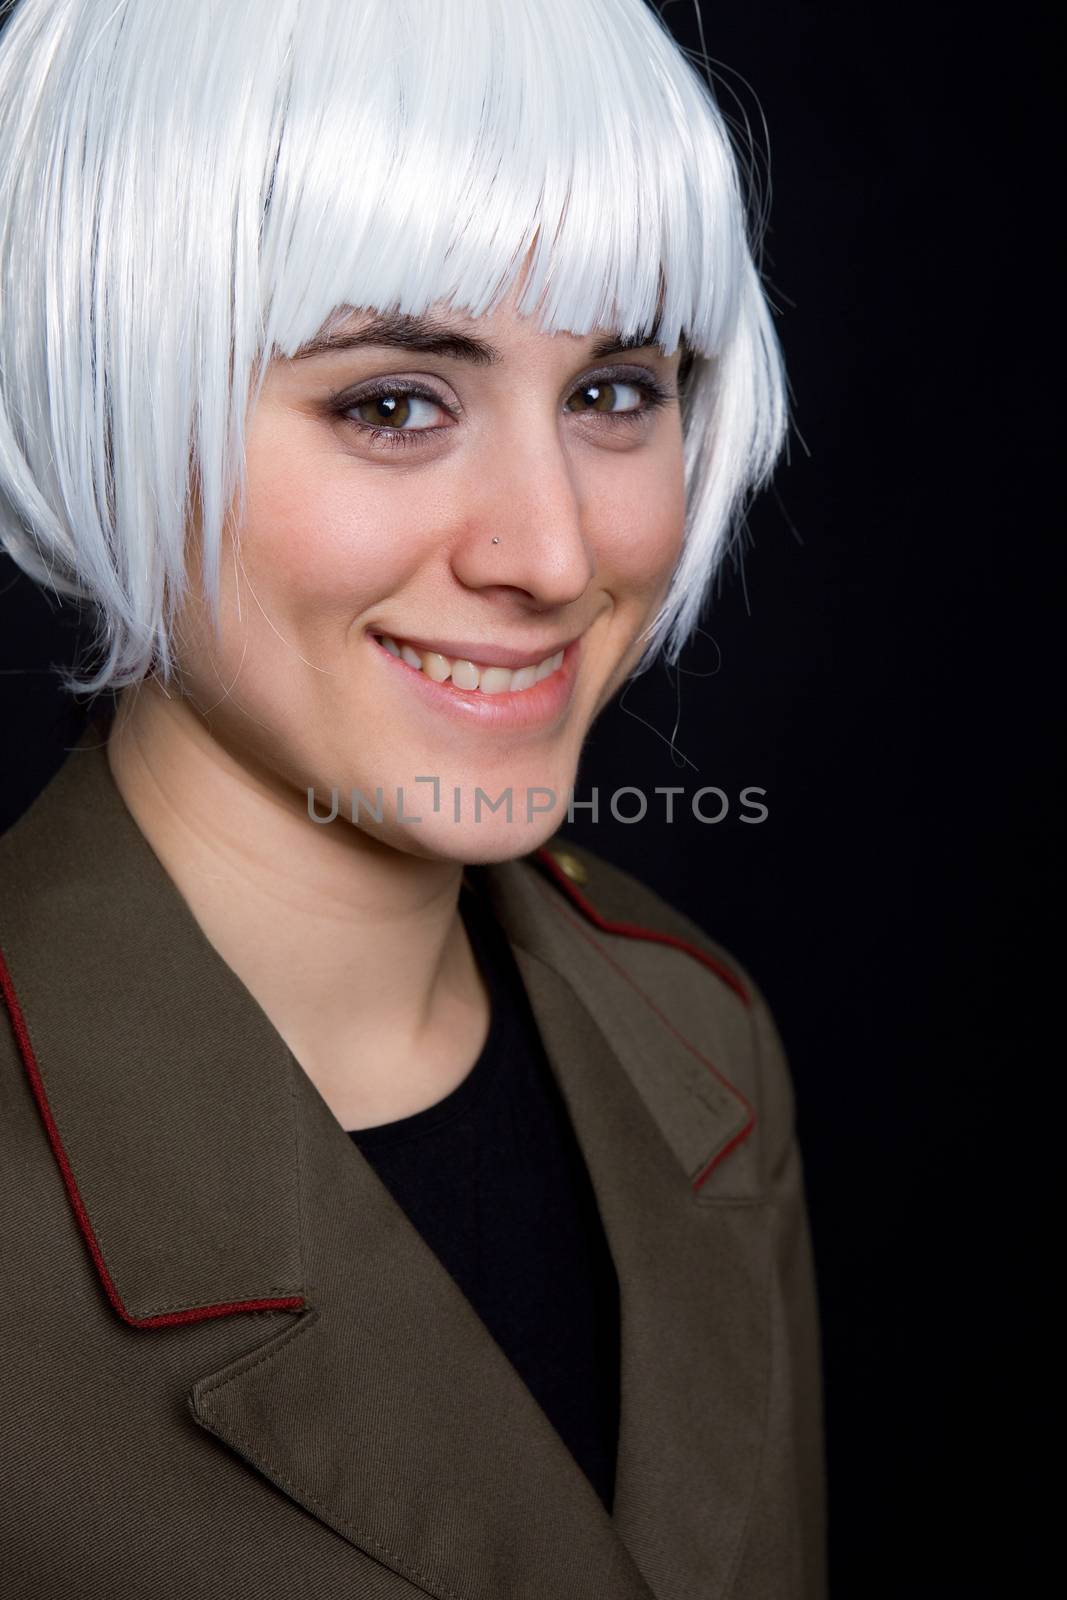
(188, 190)
(424, 170)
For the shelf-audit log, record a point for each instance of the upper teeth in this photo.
(468, 674)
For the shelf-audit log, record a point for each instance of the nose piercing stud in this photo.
(495, 539)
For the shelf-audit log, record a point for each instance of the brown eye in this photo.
(392, 409)
(601, 396)
(387, 409)
(395, 414)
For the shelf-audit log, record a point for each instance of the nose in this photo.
(527, 501)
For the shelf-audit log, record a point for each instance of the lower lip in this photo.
(540, 705)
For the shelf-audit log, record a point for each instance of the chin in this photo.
(485, 844)
(471, 842)
(504, 804)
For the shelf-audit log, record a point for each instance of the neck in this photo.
(354, 950)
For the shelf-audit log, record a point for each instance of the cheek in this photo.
(643, 527)
(320, 541)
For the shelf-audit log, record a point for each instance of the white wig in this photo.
(188, 190)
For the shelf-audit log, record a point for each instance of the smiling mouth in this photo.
(464, 674)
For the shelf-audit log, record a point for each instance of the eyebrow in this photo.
(434, 336)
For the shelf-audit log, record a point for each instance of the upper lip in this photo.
(486, 655)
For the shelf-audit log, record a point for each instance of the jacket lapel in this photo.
(382, 1405)
(694, 1269)
(389, 1411)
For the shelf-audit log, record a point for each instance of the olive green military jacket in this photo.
(231, 1368)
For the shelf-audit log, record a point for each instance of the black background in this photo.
(876, 664)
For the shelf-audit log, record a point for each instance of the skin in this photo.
(349, 937)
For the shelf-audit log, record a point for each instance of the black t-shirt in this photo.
(493, 1178)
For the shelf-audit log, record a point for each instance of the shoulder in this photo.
(696, 984)
(622, 906)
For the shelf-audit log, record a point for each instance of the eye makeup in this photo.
(655, 395)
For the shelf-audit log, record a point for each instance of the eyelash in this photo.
(655, 396)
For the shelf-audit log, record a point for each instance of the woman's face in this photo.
(510, 508)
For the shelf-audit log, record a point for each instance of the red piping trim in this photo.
(170, 1319)
(632, 931)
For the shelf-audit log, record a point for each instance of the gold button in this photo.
(570, 865)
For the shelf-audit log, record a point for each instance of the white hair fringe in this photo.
(189, 190)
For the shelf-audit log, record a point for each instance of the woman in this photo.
(391, 1203)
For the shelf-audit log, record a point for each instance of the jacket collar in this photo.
(210, 1178)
